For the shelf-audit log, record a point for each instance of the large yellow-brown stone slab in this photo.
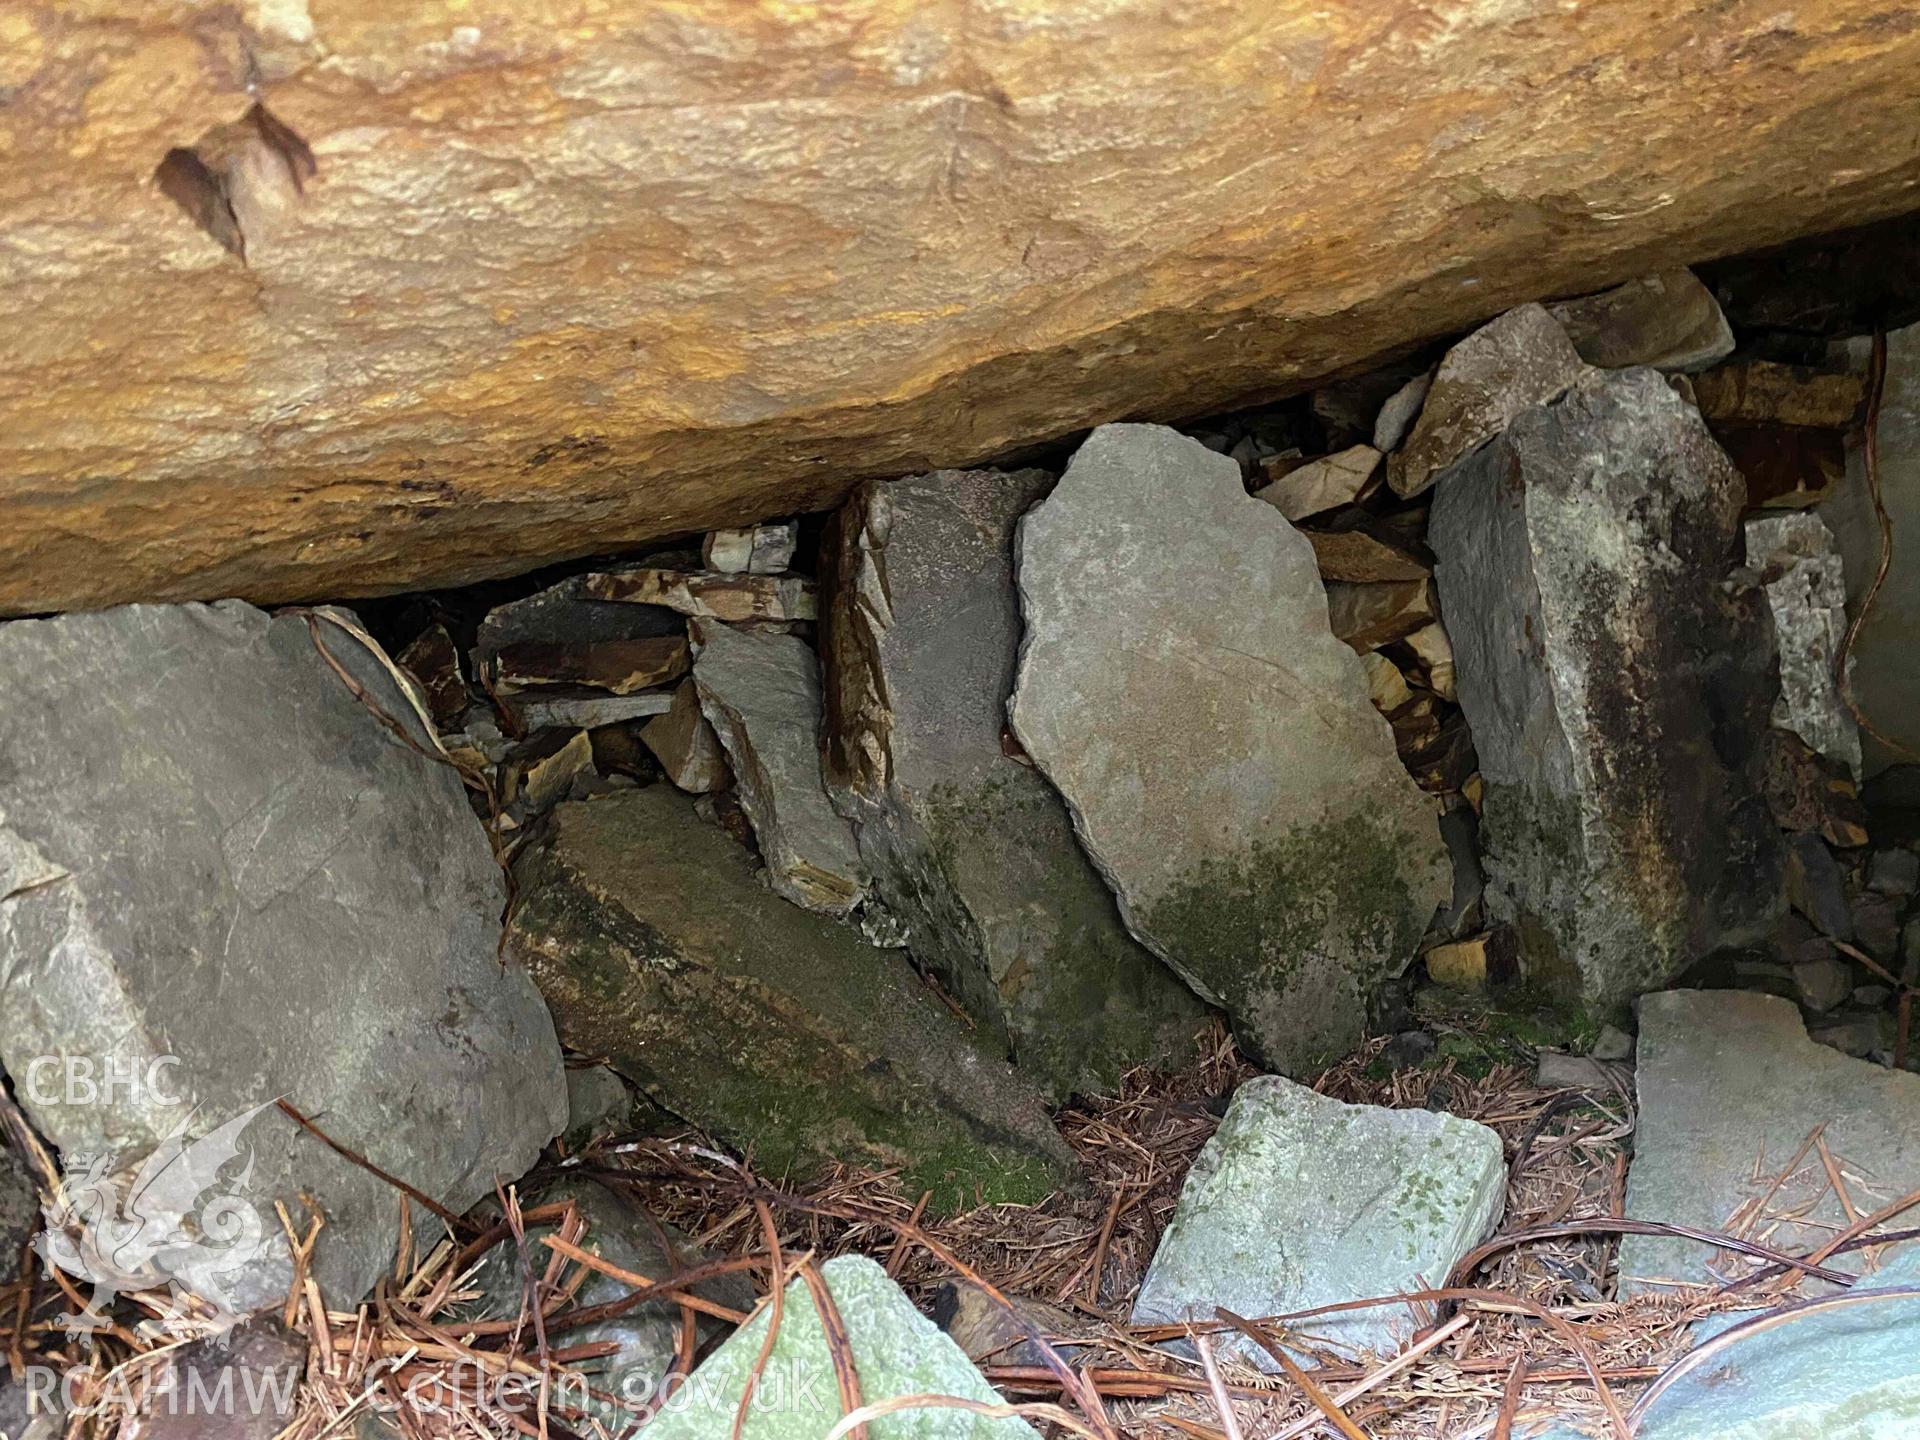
(569, 274)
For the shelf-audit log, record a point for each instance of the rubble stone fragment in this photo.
(1369, 616)
(764, 549)
(1357, 556)
(620, 667)
(1398, 414)
(1323, 484)
(710, 595)
(1800, 571)
(685, 745)
(1763, 391)
(1669, 321)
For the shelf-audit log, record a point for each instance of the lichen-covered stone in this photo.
(212, 851)
(1618, 696)
(1215, 743)
(1299, 1200)
(1806, 590)
(1729, 1087)
(973, 850)
(761, 694)
(895, 1351)
(658, 948)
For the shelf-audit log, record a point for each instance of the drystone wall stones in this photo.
(1520, 360)
(1800, 570)
(765, 549)
(1726, 1076)
(1225, 768)
(761, 694)
(214, 852)
(972, 849)
(1299, 1200)
(1669, 321)
(1618, 696)
(658, 948)
(895, 1351)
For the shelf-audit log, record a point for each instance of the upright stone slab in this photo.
(1299, 1200)
(761, 694)
(1801, 572)
(1729, 1087)
(1216, 745)
(1618, 696)
(212, 851)
(971, 848)
(782, 1032)
(895, 1351)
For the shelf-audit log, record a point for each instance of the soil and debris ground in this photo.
(1503, 1351)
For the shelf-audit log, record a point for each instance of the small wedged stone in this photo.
(971, 849)
(1369, 616)
(1357, 556)
(1800, 571)
(1396, 417)
(1669, 321)
(433, 660)
(572, 707)
(777, 1030)
(1299, 1200)
(218, 854)
(1764, 391)
(894, 1349)
(1507, 366)
(712, 595)
(1730, 1086)
(1323, 484)
(764, 549)
(1617, 693)
(1216, 745)
(620, 667)
(564, 615)
(761, 694)
(685, 745)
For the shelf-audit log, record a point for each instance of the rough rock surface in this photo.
(1520, 360)
(761, 694)
(1225, 767)
(1669, 321)
(657, 946)
(1618, 698)
(1323, 484)
(19, 1211)
(556, 286)
(973, 850)
(685, 745)
(1299, 1200)
(1726, 1076)
(563, 614)
(895, 1351)
(1886, 681)
(1800, 570)
(212, 850)
(646, 1337)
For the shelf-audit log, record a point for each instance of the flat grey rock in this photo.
(1216, 745)
(971, 849)
(244, 869)
(1396, 417)
(895, 1350)
(761, 694)
(1886, 682)
(1669, 321)
(1617, 693)
(598, 1104)
(1801, 573)
(779, 1031)
(582, 709)
(1730, 1086)
(1299, 1200)
(1507, 366)
(564, 615)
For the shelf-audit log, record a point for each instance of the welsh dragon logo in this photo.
(179, 1224)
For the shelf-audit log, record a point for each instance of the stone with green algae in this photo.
(659, 948)
(895, 1350)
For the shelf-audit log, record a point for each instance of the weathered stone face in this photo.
(1299, 1200)
(1801, 572)
(970, 847)
(211, 850)
(1215, 743)
(554, 285)
(1618, 698)
(658, 947)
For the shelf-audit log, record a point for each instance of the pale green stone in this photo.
(896, 1351)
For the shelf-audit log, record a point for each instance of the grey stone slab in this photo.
(564, 614)
(1801, 573)
(257, 880)
(970, 848)
(777, 1030)
(598, 1104)
(761, 694)
(1216, 745)
(1729, 1088)
(1396, 417)
(1886, 682)
(581, 709)
(765, 549)
(896, 1351)
(1299, 1200)
(1505, 367)
(645, 1338)
(1669, 321)
(1618, 693)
